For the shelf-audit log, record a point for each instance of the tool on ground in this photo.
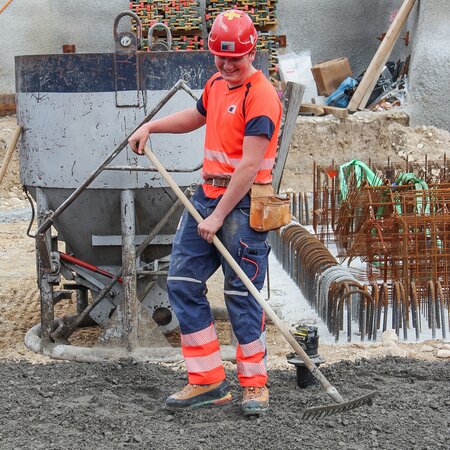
(9, 152)
(308, 338)
(321, 411)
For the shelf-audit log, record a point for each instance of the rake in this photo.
(341, 405)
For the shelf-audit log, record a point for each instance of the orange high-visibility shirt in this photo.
(252, 109)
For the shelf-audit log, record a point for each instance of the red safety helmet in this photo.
(232, 34)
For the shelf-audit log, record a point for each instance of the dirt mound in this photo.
(121, 406)
(375, 137)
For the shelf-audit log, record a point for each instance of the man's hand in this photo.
(209, 227)
(138, 139)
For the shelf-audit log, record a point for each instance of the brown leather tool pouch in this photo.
(267, 210)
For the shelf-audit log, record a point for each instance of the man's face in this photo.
(235, 70)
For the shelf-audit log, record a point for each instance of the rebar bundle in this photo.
(398, 223)
(345, 303)
(322, 281)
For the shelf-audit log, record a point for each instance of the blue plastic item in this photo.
(341, 96)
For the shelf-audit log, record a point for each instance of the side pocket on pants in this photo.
(253, 261)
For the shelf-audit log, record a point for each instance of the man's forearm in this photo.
(179, 122)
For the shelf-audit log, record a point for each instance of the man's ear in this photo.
(252, 55)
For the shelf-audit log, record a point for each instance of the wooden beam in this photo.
(368, 82)
(310, 108)
(340, 113)
(292, 97)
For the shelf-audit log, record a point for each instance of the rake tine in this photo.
(319, 412)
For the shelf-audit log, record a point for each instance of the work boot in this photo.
(195, 395)
(255, 400)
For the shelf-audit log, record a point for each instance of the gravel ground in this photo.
(120, 405)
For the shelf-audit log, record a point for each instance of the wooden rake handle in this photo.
(330, 390)
(9, 152)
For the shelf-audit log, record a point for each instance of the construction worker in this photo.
(242, 114)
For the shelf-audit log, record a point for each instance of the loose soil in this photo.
(81, 405)
(56, 404)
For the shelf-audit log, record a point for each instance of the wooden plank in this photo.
(310, 108)
(340, 113)
(292, 98)
(365, 87)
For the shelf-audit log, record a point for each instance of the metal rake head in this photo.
(328, 410)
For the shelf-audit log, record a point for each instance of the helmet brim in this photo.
(231, 54)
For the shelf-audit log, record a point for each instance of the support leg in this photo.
(45, 287)
(130, 303)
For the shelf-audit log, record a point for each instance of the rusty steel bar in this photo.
(431, 295)
(414, 309)
(376, 299)
(441, 302)
(130, 301)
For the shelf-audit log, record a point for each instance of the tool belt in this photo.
(267, 210)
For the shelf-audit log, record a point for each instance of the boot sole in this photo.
(216, 402)
(255, 412)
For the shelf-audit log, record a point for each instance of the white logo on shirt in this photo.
(232, 109)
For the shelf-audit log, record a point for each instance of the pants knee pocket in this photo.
(252, 258)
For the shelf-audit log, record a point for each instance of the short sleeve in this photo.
(258, 126)
(262, 110)
(201, 107)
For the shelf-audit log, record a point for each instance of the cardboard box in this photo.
(329, 75)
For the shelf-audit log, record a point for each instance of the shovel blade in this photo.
(319, 412)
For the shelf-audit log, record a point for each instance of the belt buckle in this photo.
(215, 182)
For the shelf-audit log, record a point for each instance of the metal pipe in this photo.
(82, 298)
(91, 267)
(152, 169)
(130, 303)
(43, 245)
